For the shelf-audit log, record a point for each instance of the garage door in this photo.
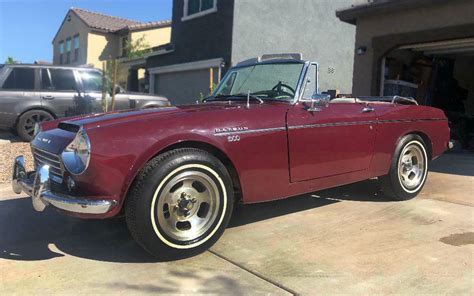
(184, 87)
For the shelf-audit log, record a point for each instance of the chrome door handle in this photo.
(367, 109)
(47, 97)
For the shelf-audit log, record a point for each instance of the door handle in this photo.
(47, 97)
(367, 109)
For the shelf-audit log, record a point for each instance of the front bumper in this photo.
(37, 186)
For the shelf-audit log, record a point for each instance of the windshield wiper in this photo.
(243, 96)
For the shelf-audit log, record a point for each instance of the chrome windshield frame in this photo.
(301, 80)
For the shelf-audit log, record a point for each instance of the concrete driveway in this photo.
(348, 240)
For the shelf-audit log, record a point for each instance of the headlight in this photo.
(37, 129)
(76, 156)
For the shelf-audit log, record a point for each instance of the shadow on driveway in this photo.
(455, 163)
(29, 235)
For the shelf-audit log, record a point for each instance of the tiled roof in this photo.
(149, 25)
(109, 23)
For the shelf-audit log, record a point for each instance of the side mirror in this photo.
(316, 101)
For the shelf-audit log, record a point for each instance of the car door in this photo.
(59, 91)
(329, 140)
(91, 86)
(18, 93)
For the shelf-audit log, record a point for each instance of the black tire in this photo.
(154, 204)
(395, 184)
(26, 123)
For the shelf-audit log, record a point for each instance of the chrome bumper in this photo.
(37, 186)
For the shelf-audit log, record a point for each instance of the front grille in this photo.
(42, 157)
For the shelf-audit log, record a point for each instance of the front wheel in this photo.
(180, 203)
(408, 170)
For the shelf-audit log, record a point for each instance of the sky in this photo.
(27, 27)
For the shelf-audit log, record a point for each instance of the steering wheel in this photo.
(278, 89)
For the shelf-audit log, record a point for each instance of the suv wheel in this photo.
(26, 123)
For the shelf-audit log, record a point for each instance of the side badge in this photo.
(234, 138)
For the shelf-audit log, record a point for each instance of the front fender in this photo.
(117, 158)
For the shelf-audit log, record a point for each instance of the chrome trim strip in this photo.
(346, 123)
(331, 124)
(261, 130)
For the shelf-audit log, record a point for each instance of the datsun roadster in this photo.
(265, 133)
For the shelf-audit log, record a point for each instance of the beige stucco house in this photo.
(89, 38)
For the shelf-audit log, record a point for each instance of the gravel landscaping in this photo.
(10, 147)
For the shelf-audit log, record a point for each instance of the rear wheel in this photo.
(26, 123)
(180, 203)
(408, 170)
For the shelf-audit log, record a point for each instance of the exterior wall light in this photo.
(361, 50)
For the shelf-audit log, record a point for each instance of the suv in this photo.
(36, 93)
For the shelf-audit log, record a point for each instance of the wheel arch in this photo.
(426, 139)
(226, 161)
(35, 108)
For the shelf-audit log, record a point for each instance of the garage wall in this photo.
(385, 31)
(306, 26)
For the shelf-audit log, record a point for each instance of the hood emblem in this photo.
(44, 140)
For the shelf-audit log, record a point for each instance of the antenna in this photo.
(248, 99)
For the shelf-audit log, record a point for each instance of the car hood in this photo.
(142, 96)
(103, 119)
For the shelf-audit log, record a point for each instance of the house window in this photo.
(61, 52)
(68, 50)
(197, 8)
(124, 43)
(76, 48)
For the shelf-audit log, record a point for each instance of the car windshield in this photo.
(264, 81)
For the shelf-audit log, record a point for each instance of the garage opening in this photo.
(438, 74)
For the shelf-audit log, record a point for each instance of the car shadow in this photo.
(9, 137)
(455, 163)
(26, 235)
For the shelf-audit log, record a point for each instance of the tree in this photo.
(137, 48)
(10, 60)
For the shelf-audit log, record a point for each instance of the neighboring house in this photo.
(87, 37)
(216, 34)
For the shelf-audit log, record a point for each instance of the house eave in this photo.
(350, 15)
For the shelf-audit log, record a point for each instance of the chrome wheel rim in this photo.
(412, 166)
(188, 206)
(30, 122)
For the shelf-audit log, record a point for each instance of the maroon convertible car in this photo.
(265, 133)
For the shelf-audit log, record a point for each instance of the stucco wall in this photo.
(201, 38)
(154, 37)
(383, 31)
(68, 30)
(101, 47)
(305, 26)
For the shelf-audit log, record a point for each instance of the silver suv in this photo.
(35, 93)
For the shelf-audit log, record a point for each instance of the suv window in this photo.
(20, 78)
(91, 81)
(46, 80)
(62, 79)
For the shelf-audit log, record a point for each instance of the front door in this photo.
(337, 139)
